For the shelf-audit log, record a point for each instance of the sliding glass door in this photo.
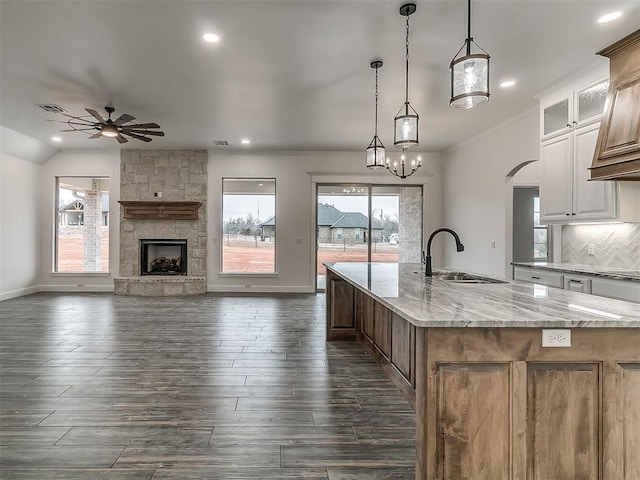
(367, 223)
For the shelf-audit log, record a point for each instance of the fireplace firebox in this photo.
(163, 257)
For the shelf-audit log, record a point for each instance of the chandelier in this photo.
(403, 170)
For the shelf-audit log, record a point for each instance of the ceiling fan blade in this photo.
(142, 125)
(139, 137)
(121, 139)
(124, 118)
(143, 132)
(95, 115)
(96, 135)
(77, 129)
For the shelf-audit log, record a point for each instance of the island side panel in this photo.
(495, 404)
(341, 319)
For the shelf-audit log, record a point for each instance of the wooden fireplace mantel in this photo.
(160, 210)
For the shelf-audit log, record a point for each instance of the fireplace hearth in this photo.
(163, 257)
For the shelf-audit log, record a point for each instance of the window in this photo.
(248, 225)
(540, 234)
(82, 219)
(339, 233)
(357, 233)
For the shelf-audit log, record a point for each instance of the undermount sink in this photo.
(461, 277)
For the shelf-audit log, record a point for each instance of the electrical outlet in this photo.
(556, 338)
(591, 249)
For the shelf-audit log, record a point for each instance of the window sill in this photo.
(80, 274)
(248, 274)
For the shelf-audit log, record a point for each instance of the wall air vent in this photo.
(51, 107)
(221, 143)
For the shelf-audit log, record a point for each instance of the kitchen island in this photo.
(491, 402)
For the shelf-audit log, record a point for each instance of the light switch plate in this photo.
(556, 337)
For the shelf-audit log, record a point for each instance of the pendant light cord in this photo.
(406, 82)
(376, 102)
(469, 38)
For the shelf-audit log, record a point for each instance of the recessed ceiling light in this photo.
(508, 83)
(211, 38)
(609, 17)
(245, 141)
(56, 139)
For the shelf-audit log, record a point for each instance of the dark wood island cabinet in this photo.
(491, 402)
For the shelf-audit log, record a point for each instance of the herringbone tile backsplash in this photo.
(615, 245)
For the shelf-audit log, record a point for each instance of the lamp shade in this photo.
(405, 131)
(375, 154)
(469, 81)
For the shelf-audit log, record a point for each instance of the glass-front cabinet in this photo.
(573, 106)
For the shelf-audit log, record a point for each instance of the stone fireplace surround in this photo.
(181, 176)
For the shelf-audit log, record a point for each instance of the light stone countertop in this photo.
(433, 302)
(614, 273)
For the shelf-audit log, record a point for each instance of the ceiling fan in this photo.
(117, 129)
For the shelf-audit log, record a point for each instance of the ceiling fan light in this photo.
(109, 131)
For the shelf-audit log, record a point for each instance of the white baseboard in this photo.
(259, 289)
(19, 293)
(76, 289)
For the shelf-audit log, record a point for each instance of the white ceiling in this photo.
(288, 74)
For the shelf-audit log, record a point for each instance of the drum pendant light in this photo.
(406, 122)
(375, 150)
(469, 73)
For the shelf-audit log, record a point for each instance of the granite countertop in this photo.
(595, 270)
(433, 302)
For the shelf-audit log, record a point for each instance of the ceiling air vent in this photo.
(51, 107)
(221, 143)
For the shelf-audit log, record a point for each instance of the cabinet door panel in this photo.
(382, 328)
(402, 346)
(473, 421)
(342, 304)
(563, 411)
(591, 200)
(555, 186)
(631, 420)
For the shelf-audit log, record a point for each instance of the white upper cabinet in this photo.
(569, 124)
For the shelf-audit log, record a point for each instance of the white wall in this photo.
(20, 228)
(78, 163)
(296, 177)
(475, 199)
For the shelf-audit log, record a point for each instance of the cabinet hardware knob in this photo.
(567, 214)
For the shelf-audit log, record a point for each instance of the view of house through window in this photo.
(367, 223)
(82, 224)
(249, 225)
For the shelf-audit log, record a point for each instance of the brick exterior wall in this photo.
(92, 231)
(410, 225)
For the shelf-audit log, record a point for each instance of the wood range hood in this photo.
(617, 154)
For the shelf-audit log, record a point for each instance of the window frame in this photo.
(57, 220)
(221, 271)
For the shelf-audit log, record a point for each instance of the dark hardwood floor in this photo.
(95, 386)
